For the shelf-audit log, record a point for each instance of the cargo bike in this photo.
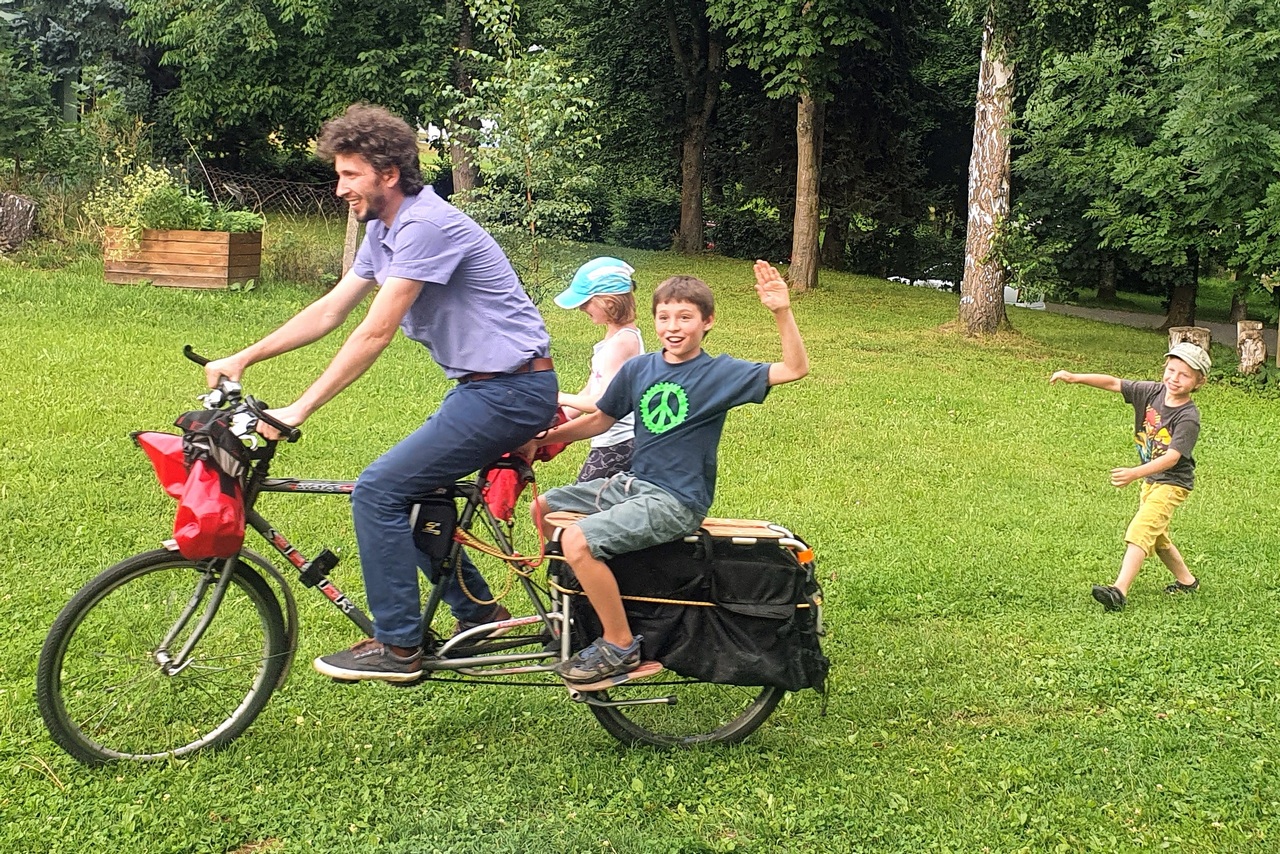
(163, 655)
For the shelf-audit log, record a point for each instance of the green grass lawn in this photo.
(959, 506)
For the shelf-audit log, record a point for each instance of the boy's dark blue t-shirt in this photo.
(680, 411)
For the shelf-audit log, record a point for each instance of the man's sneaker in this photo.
(601, 660)
(1110, 597)
(370, 659)
(1179, 587)
(497, 615)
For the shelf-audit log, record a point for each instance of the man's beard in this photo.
(374, 206)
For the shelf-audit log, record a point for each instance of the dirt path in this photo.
(1223, 333)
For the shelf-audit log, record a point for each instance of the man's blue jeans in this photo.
(476, 423)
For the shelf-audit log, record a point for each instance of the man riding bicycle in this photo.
(441, 278)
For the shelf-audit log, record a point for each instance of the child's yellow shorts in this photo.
(1149, 529)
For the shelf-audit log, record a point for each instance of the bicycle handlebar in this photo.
(229, 392)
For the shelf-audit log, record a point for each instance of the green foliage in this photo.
(302, 250)
(794, 46)
(748, 228)
(26, 110)
(644, 215)
(1162, 136)
(152, 198)
(1265, 383)
(1030, 260)
(171, 206)
(256, 78)
(536, 130)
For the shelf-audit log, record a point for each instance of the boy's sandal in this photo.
(1109, 597)
(1179, 587)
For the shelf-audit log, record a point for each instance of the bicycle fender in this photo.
(290, 607)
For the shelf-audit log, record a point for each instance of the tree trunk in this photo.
(982, 289)
(466, 174)
(1182, 299)
(1107, 278)
(701, 64)
(1239, 300)
(803, 274)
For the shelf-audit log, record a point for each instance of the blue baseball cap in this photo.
(597, 276)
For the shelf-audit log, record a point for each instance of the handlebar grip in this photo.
(290, 433)
(190, 353)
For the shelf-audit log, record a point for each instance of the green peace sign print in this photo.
(663, 406)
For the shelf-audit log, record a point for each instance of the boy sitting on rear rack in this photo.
(680, 397)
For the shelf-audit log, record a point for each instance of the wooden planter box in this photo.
(183, 259)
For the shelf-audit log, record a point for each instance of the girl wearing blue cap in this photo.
(603, 289)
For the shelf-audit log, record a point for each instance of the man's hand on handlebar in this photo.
(286, 415)
(230, 367)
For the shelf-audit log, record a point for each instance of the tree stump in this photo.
(1250, 345)
(17, 220)
(1197, 335)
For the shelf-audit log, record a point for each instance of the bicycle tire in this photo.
(104, 696)
(704, 712)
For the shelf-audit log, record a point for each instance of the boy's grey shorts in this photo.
(625, 514)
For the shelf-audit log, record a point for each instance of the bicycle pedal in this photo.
(646, 668)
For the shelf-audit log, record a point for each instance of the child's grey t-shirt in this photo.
(680, 411)
(1158, 427)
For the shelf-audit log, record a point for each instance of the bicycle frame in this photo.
(550, 611)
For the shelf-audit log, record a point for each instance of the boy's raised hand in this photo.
(771, 287)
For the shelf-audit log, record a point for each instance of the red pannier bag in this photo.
(210, 519)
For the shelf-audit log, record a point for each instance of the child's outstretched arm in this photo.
(591, 424)
(773, 293)
(1105, 382)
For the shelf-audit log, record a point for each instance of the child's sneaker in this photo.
(1179, 587)
(601, 660)
(1110, 597)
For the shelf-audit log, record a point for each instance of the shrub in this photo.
(152, 198)
(302, 250)
(748, 228)
(644, 216)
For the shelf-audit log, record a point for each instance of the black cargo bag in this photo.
(719, 611)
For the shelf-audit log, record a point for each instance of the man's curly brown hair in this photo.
(374, 133)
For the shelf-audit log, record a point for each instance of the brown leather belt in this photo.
(531, 366)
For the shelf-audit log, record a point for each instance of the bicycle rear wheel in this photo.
(703, 712)
(106, 686)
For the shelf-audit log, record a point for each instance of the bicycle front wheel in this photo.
(109, 683)
(703, 712)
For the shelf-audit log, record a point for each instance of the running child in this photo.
(1166, 426)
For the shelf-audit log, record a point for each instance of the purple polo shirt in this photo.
(472, 314)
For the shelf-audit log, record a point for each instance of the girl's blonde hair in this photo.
(618, 309)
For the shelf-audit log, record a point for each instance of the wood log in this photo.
(1197, 335)
(1250, 346)
(17, 220)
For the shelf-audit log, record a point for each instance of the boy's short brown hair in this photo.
(686, 289)
(618, 308)
(380, 137)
